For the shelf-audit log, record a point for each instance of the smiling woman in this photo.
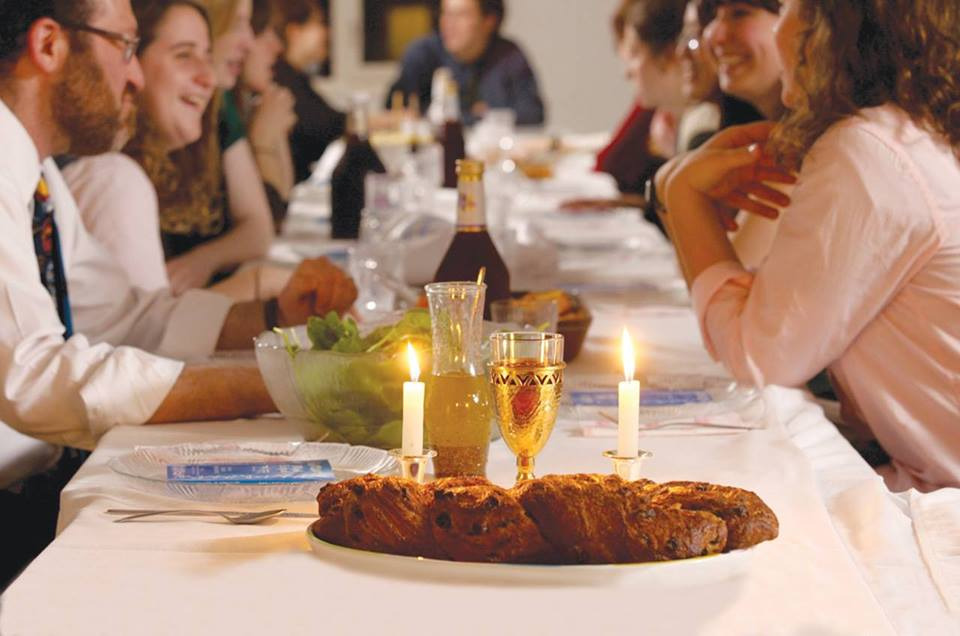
(739, 35)
(118, 198)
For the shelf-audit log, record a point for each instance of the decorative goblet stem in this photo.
(524, 467)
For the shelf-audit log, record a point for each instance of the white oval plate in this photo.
(678, 573)
(147, 468)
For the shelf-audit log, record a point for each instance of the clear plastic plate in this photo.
(146, 466)
(727, 397)
(697, 400)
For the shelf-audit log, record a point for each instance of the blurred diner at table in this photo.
(645, 35)
(303, 27)
(268, 109)
(490, 70)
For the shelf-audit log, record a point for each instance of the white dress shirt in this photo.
(864, 278)
(70, 392)
(118, 205)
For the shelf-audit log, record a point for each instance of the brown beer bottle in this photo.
(472, 247)
(451, 134)
(347, 180)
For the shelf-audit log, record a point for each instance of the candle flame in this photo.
(414, 365)
(629, 357)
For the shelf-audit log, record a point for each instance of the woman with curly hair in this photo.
(864, 274)
(120, 195)
(195, 207)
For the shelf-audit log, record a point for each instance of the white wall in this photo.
(568, 43)
(570, 47)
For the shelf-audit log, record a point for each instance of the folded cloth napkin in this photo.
(936, 519)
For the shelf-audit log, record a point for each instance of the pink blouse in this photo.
(864, 278)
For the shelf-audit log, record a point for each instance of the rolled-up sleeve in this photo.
(846, 246)
(71, 391)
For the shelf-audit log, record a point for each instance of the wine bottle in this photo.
(347, 181)
(472, 247)
(450, 134)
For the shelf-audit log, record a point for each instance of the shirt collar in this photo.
(19, 161)
(479, 63)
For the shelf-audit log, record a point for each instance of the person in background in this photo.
(738, 35)
(302, 25)
(205, 241)
(490, 70)
(268, 110)
(647, 32)
(81, 349)
(710, 108)
(871, 240)
(648, 43)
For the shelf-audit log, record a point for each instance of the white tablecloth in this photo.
(847, 560)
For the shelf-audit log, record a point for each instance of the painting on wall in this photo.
(389, 26)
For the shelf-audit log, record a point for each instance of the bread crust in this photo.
(560, 519)
(381, 514)
(748, 519)
(474, 520)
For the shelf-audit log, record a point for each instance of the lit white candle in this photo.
(628, 431)
(413, 408)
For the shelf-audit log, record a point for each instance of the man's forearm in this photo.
(244, 322)
(211, 392)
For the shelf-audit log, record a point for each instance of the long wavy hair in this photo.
(187, 180)
(856, 54)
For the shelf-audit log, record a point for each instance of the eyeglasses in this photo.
(130, 43)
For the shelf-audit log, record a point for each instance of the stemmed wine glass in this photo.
(526, 373)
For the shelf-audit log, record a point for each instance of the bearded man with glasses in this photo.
(81, 350)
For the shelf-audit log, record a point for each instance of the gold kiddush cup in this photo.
(526, 373)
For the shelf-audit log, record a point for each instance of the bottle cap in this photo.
(469, 168)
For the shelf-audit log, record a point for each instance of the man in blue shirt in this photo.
(490, 70)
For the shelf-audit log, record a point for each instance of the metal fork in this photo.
(679, 422)
(233, 516)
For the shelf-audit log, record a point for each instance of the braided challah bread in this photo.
(559, 519)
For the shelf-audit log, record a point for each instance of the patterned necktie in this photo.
(46, 243)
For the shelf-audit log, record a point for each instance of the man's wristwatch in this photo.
(653, 207)
(271, 313)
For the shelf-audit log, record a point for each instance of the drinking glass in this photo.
(377, 271)
(383, 199)
(526, 373)
(457, 409)
(525, 315)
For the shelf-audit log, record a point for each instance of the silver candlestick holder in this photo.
(414, 466)
(627, 467)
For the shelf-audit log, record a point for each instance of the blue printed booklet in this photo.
(648, 397)
(269, 472)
